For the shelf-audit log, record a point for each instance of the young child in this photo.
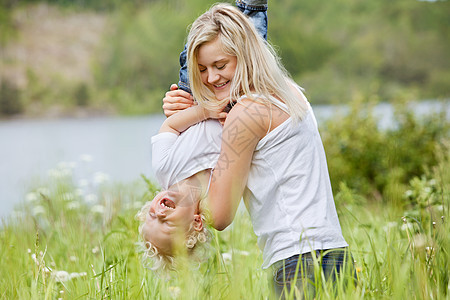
(182, 158)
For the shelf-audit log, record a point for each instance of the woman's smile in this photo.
(216, 68)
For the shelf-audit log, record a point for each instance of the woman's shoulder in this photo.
(249, 113)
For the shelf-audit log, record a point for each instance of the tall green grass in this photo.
(77, 240)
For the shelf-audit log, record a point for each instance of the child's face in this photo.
(216, 68)
(170, 216)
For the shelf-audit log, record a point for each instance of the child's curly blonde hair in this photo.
(153, 259)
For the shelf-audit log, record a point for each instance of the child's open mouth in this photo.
(168, 203)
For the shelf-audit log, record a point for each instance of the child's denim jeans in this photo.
(301, 273)
(256, 10)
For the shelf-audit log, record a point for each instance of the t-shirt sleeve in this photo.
(162, 144)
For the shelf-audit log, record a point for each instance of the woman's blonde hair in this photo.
(152, 258)
(258, 71)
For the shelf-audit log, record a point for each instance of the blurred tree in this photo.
(10, 102)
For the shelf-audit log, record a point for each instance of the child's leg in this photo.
(257, 12)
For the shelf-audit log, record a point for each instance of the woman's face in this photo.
(216, 68)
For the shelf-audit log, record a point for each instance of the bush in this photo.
(10, 101)
(376, 162)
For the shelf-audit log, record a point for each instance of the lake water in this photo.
(114, 147)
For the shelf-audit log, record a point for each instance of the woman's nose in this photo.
(212, 77)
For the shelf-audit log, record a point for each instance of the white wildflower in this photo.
(86, 158)
(83, 183)
(95, 250)
(174, 292)
(100, 178)
(62, 165)
(79, 192)
(68, 196)
(74, 205)
(407, 226)
(227, 257)
(98, 209)
(91, 198)
(61, 276)
(242, 252)
(31, 197)
(391, 224)
(409, 193)
(29, 250)
(54, 173)
(38, 210)
(76, 275)
(73, 258)
(419, 240)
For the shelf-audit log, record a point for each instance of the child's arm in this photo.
(182, 120)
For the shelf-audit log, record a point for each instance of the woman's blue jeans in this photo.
(303, 272)
(256, 10)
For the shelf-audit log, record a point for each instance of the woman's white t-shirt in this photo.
(288, 193)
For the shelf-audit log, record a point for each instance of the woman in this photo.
(271, 154)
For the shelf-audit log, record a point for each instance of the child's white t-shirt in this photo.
(177, 157)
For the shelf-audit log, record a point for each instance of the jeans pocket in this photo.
(295, 269)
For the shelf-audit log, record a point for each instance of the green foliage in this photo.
(82, 94)
(338, 52)
(398, 45)
(7, 30)
(378, 162)
(10, 99)
(139, 60)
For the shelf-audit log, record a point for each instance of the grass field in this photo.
(77, 240)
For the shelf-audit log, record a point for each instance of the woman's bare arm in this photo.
(244, 127)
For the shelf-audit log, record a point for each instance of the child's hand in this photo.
(219, 113)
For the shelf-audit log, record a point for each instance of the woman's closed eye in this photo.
(221, 67)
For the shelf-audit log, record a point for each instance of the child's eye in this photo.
(202, 70)
(221, 67)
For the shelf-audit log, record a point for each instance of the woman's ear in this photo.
(198, 223)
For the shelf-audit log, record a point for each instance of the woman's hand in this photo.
(176, 100)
